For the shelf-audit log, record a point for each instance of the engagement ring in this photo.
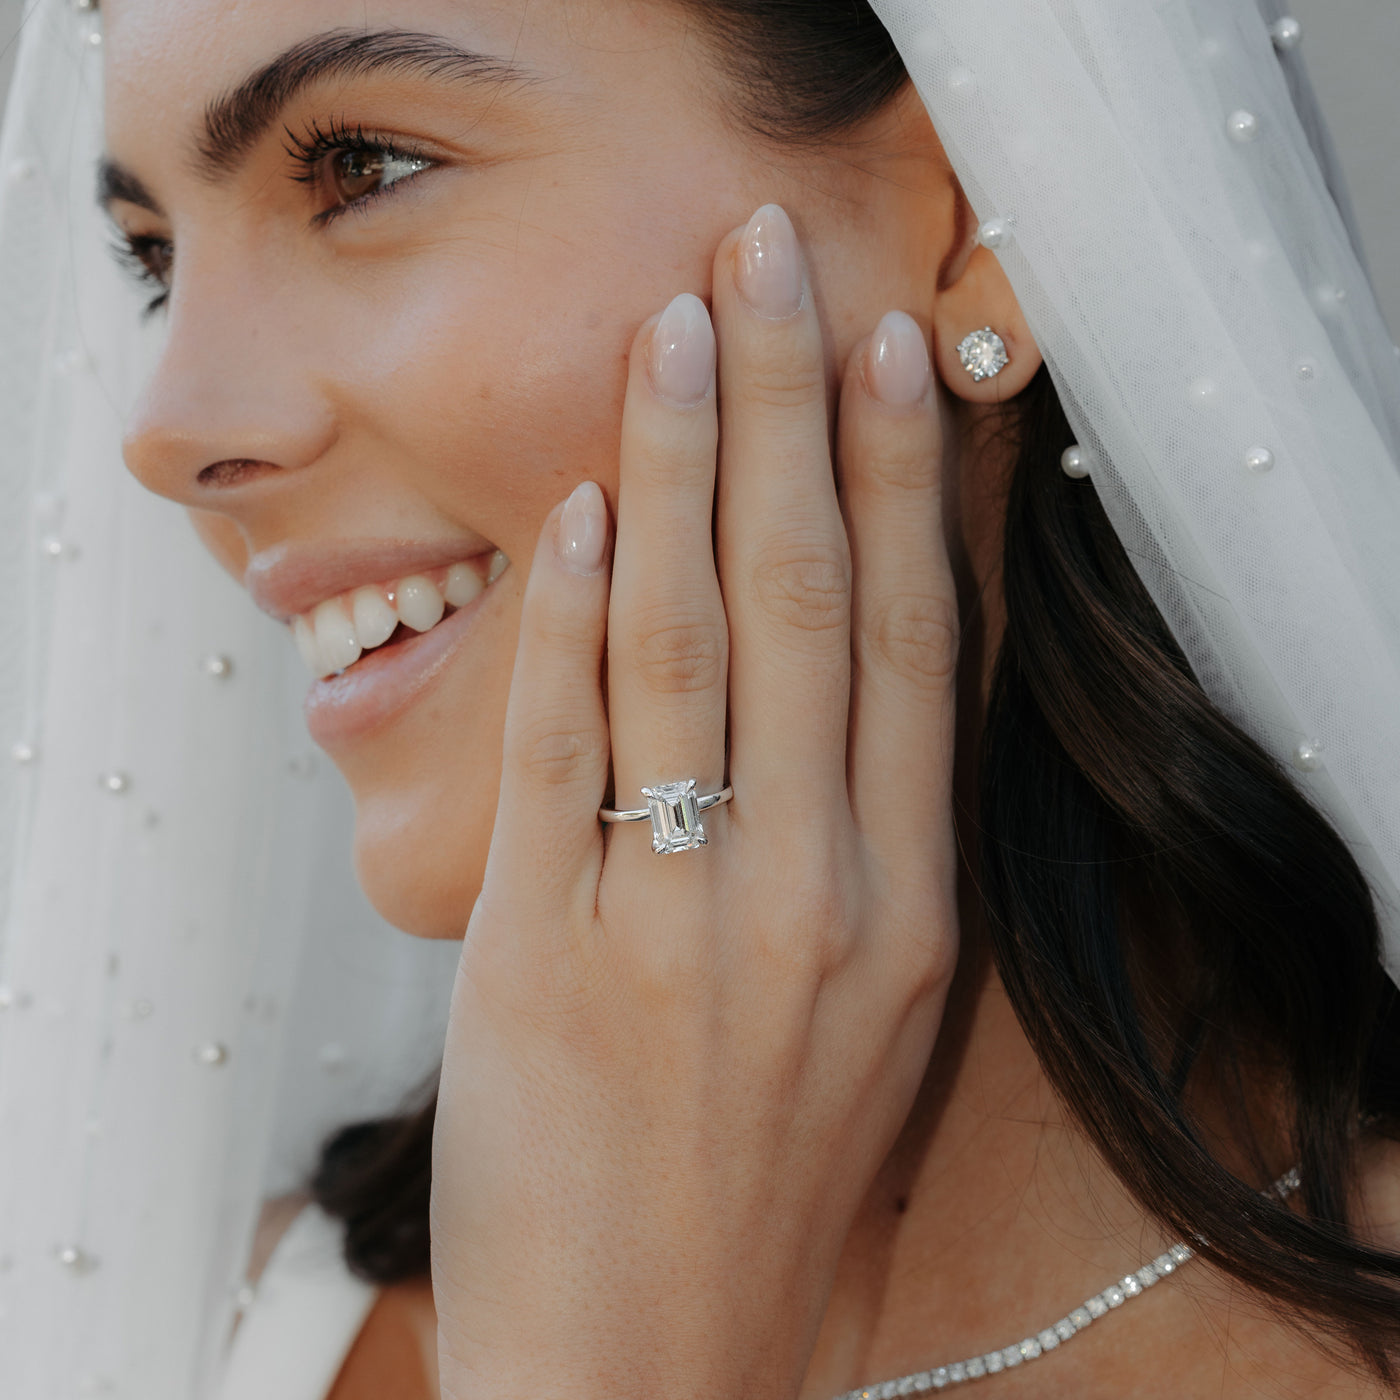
(674, 812)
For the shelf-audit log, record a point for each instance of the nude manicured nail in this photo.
(683, 352)
(583, 530)
(897, 366)
(770, 265)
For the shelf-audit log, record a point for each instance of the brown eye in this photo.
(158, 258)
(355, 174)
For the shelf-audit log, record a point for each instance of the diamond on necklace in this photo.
(1041, 1343)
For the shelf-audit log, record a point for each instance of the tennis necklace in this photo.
(1038, 1344)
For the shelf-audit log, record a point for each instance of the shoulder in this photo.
(394, 1355)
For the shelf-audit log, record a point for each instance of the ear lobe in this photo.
(982, 297)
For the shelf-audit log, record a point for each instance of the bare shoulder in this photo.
(394, 1357)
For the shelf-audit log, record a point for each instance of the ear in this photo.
(974, 293)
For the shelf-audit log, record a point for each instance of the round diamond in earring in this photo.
(983, 354)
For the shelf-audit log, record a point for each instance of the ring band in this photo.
(674, 812)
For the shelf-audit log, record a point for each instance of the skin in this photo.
(449, 364)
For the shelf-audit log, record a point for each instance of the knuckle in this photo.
(899, 474)
(671, 462)
(806, 585)
(787, 375)
(550, 752)
(678, 657)
(915, 638)
(817, 932)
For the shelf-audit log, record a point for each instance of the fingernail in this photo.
(683, 352)
(583, 530)
(897, 366)
(770, 265)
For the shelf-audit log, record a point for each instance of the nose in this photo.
(235, 401)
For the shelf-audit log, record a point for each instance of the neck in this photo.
(990, 1218)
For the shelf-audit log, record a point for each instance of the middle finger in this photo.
(783, 554)
(667, 645)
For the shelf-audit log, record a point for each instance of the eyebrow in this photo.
(235, 122)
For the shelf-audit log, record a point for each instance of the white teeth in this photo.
(306, 645)
(463, 585)
(375, 620)
(335, 636)
(336, 633)
(420, 605)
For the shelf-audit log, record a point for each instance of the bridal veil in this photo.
(174, 924)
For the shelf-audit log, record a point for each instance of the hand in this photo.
(669, 1081)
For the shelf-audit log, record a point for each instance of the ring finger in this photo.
(667, 638)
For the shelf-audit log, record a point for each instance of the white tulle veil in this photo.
(190, 990)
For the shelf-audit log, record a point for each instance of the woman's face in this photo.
(412, 241)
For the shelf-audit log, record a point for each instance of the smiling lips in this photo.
(333, 635)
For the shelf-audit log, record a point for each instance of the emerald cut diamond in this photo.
(675, 817)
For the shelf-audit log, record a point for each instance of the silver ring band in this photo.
(642, 814)
(673, 809)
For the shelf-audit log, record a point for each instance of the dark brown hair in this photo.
(1168, 914)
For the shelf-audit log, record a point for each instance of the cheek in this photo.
(491, 384)
(502, 394)
(485, 403)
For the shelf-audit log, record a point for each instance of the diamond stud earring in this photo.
(983, 354)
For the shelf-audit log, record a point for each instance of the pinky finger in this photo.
(547, 841)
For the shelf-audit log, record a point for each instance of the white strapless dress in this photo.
(305, 1315)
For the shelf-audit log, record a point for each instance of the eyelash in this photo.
(309, 149)
(135, 252)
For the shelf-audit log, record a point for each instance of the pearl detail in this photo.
(115, 783)
(217, 667)
(1243, 127)
(53, 547)
(13, 1000)
(212, 1054)
(1259, 459)
(23, 752)
(1074, 462)
(95, 38)
(962, 82)
(1308, 756)
(1202, 392)
(72, 361)
(995, 233)
(1286, 33)
(22, 170)
(75, 1259)
(1306, 370)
